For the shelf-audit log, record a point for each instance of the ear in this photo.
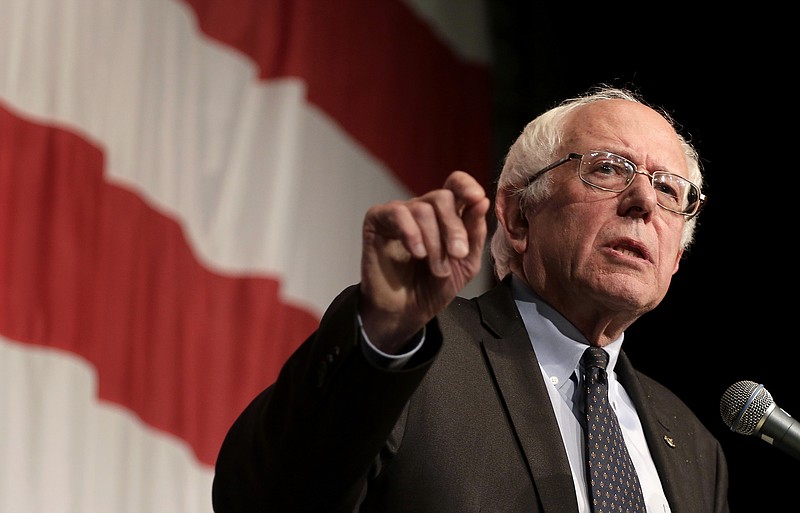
(511, 218)
(677, 261)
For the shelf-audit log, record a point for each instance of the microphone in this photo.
(747, 408)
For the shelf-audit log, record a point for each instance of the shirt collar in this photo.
(557, 343)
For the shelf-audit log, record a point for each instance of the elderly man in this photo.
(410, 398)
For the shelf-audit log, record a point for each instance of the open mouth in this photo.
(630, 250)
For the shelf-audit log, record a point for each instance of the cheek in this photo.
(672, 236)
(565, 242)
(677, 262)
(670, 256)
(566, 232)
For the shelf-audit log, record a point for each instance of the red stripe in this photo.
(90, 268)
(378, 70)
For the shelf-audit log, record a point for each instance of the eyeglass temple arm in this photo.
(703, 200)
(571, 156)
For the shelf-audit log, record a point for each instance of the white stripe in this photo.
(62, 451)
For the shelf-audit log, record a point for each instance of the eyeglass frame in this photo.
(701, 200)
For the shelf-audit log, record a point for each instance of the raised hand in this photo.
(417, 255)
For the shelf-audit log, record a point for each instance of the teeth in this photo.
(629, 252)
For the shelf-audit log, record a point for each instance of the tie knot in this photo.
(595, 357)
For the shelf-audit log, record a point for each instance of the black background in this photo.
(727, 78)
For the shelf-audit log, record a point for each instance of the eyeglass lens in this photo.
(614, 173)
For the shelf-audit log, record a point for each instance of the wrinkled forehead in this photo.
(632, 129)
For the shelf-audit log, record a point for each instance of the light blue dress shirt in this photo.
(559, 346)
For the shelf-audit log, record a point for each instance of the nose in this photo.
(639, 198)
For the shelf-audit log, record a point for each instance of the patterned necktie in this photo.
(613, 482)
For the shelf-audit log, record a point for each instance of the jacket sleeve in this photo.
(308, 440)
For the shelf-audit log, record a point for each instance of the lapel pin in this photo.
(669, 441)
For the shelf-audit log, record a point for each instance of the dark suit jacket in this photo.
(468, 426)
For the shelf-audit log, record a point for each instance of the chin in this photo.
(629, 294)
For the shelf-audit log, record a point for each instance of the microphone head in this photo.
(743, 405)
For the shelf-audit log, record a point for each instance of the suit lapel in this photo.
(520, 384)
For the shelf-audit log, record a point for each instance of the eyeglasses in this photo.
(610, 172)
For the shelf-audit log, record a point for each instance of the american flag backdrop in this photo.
(182, 184)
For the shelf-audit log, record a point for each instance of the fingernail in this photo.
(460, 248)
(440, 268)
